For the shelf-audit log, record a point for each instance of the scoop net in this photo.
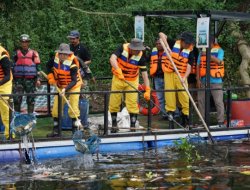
(22, 124)
(90, 145)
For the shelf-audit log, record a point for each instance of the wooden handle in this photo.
(64, 97)
(163, 41)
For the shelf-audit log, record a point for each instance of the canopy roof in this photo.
(191, 14)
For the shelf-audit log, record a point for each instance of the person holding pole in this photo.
(216, 76)
(183, 57)
(126, 62)
(63, 73)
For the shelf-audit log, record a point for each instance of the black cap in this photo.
(74, 34)
(187, 37)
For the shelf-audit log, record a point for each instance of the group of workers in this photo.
(68, 70)
(128, 59)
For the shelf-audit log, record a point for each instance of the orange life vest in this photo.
(193, 68)
(129, 66)
(62, 71)
(216, 71)
(3, 53)
(154, 61)
(180, 59)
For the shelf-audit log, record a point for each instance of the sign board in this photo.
(202, 33)
(139, 27)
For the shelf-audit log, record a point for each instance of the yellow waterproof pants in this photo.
(130, 98)
(172, 82)
(73, 101)
(4, 109)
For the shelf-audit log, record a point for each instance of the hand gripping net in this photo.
(22, 124)
(91, 143)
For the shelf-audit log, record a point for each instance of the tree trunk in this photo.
(244, 50)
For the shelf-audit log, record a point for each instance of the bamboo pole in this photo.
(166, 48)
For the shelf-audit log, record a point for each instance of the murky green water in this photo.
(222, 167)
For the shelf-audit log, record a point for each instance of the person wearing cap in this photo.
(84, 58)
(63, 72)
(26, 73)
(126, 62)
(183, 57)
(216, 79)
(5, 88)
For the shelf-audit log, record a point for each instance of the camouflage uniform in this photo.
(22, 86)
(25, 74)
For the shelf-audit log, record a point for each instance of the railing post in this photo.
(106, 122)
(48, 99)
(59, 114)
(149, 113)
(10, 114)
(229, 102)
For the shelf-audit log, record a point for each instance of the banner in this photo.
(139, 27)
(202, 32)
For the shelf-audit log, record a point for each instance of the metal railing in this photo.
(107, 93)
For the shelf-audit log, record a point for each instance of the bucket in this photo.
(236, 123)
(241, 110)
(84, 109)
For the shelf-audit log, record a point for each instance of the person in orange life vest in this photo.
(63, 71)
(157, 59)
(5, 88)
(183, 57)
(126, 62)
(216, 76)
(25, 72)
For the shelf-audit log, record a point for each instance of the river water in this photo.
(223, 166)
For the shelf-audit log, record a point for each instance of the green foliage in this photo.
(48, 22)
(149, 175)
(187, 149)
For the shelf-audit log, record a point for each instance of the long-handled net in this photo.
(22, 124)
(90, 145)
(91, 139)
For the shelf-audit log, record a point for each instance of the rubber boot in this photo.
(55, 132)
(114, 128)
(17, 107)
(74, 126)
(31, 108)
(185, 121)
(133, 118)
(170, 119)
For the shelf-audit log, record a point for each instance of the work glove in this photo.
(118, 73)
(147, 93)
(51, 79)
(77, 123)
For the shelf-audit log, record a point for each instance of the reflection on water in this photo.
(222, 167)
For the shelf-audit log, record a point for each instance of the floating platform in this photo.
(119, 142)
